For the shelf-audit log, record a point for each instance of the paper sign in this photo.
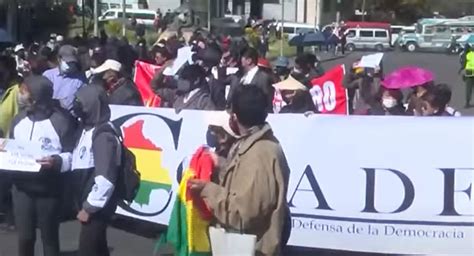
(184, 55)
(20, 155)
(371, 61)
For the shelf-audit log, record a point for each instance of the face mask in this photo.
(211, 139)
(389, 102)
(24, 101)
(64, 66)
(185, 86)
(234, 125)
(297, 71)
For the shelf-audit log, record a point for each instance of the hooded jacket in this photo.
(47, 123)
(97, 153)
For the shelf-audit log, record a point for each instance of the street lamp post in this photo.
(124, 18)
(96, 17)
(282, 36)
(83, 18)
(363, 10)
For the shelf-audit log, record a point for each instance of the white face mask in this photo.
(64, 66)
(389, 102)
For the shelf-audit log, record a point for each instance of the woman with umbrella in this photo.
(389, 103)
(420, 79)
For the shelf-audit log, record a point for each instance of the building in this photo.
(301, 11)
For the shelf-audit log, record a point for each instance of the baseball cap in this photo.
(108, 65)
(68, 53)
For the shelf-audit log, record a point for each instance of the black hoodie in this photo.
(46, 122)
(97, 153)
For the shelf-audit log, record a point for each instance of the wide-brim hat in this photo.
(290, 84)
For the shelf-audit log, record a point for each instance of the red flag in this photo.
(144, 73)
(328, 92)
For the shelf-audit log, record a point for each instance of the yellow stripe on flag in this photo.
(150, 166)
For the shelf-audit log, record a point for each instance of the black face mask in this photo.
(78, 110)
(185, 86)
(211, 139)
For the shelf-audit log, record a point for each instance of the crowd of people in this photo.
(50, 91)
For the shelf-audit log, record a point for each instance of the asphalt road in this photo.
(125, 244)
(445, 68)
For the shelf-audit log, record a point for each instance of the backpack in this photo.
(128, 179)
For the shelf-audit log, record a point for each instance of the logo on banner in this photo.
(328, 92)
(137, 136)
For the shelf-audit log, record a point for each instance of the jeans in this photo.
(31, 211)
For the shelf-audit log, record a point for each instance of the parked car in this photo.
(146, 17)
(368, 38)
(293, 29)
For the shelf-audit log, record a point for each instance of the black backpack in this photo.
(128, 180)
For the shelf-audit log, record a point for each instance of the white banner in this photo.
(375, 184)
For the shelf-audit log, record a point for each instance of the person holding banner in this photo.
(37, 196)
(251, 196)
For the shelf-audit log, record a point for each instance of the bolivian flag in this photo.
(189, 222)
(148, 158)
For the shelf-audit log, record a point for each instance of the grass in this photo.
(274, 49)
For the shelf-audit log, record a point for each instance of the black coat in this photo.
(125, 93)
(262, 80)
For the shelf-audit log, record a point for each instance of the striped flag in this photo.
(189, 222)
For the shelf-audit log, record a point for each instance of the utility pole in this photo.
(281, 27)
(363, 10)
(124, 18)
(96, 16)
(318, 14)
(83, 18)
(338, 13)
(209, 15)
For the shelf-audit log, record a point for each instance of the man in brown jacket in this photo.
(250, 196)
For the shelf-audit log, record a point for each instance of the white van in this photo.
(293, 29)
(146, 17)
(368, 38)
(105, 5)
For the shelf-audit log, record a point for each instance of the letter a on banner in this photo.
(144, 73)
(328, 92)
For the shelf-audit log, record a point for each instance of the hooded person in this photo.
(193, 90)
(97, 156)
(120, 89)
(37, 196)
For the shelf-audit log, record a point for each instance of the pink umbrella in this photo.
(408, 77)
